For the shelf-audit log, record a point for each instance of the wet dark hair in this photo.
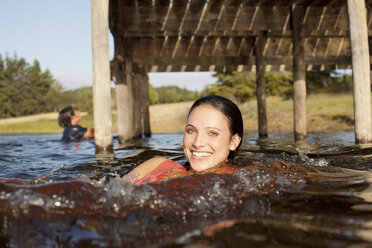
(64, 117)
(230, 110)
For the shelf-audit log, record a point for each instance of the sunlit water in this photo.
(313, 194)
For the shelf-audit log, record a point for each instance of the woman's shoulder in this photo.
(166, 165)
(152, 168)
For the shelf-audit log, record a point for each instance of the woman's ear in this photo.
(235, 141)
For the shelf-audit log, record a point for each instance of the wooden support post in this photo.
(124, 91)
(137, 104)
(260, 89)
(146, 107)
(121, 110)
(299, 74)
(361, 70)
(101, 77)
(128, 132)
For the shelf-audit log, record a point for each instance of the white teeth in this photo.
(200, 154)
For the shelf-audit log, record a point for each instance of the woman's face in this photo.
(207, 140)
(76, 118)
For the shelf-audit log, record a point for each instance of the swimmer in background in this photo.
(213, 135)
(69, 118)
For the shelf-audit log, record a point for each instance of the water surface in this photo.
(313, 194)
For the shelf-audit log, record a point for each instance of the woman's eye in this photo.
(213, 133)
(190, 130)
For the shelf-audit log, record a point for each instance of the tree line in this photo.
(241, 86)
(27, 89)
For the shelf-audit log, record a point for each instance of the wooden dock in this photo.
(223, 36)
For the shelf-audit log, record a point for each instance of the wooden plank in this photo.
(183, 46)
(317, 14)
(361, 71)
(321, 2)
(101, 77)
(114, 16)
(170, 46)
(274, 46)
(121, 94)
(243, 68)
(146, 106)
(336, 3)
(137, 89)
(175, 16)
(283, 33)
(146, 18)
(250, 3)
(195, 15)
(260, 89)
(124, 99)
(200, 50)
(304, 3)
(147, 22)
(238, 60)
(162, 3)
(215, 15)
(150, 18)
(124, 90)
(127, 3)
(234, 3)
(141, 3)
(120, 89)
(195, 60)
(341, 21)
(195, 46)
(299, 82)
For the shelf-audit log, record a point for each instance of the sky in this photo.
(57, 33)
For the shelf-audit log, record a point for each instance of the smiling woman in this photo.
(213, 134)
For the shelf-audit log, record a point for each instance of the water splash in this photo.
(116, 213)
(208, 194)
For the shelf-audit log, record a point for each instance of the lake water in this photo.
(313, 194)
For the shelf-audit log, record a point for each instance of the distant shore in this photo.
(325, 112)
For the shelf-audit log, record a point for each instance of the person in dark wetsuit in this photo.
(69, 118)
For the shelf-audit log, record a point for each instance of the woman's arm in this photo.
(145, 168)
(89, 133)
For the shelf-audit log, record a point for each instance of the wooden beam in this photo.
(101, 77)
(179, 19)
(299, 82)
(138, 92)
(260, 90)
(129, 127)
(224, 46)
(238, 60)
(136, 118)
(121, 91)
(124, 89)
(332, 33)
(146, 106)
(361, 70)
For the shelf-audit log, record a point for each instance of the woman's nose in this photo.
(199, 140)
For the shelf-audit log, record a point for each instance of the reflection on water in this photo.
(312, 194)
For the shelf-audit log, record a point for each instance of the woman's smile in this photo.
(201, 154)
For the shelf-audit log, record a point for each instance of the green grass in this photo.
(40, 126)
(325, 112)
